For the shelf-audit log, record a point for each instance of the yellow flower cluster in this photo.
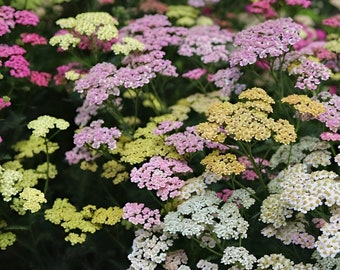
(129, 44)
(116, 171)
(6, 238)
(184, 15)
(42, 125)
(30, 199)
(34, 145)
(246, 120)
(101, 24)
(92, 24)
(64, 41)
(222, 164)
(145, 144)
(88, 220)
(304, 104)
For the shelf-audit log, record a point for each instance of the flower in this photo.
(40, 78)
(42, 125)
(271, 38)
(238, 255)
(96, 136)
(160, 174)
(137, 213)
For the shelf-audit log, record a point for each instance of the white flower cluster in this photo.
(242, 197)
(8, 181)
(192, 186)
(148, 249)
(206, 265)
(328, 243)
(309, 150)
(238, 255)
(194, 216)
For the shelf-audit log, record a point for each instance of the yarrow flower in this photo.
(40, 78)
(33, 39)
(194, 215)
(238, 256)
(246, 120)
(271, 38)
(201, 3)
(226, 80)
(305, 105)
(137, 213)
(42, 125)
(208, 42)
(160, 174)
(331, 116)
(96, 136)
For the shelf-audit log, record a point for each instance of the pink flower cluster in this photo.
(208, 42)
(271, 38)
(226, 79)
(137, 213)
(194, 74)
(155, 32)
(167, 126)
(189, 142)
(225, 194)
(9, 17)
(265, 7)
(333, 21)
(330, 136)
(95, 136)
(160, 174)
(40, 78)
(250, 174)
(77, 154)
(331, 117)
(4, 103)
(309, 74)
(99, 83)
(16, 62)
(33, 39)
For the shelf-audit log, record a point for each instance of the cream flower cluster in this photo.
(193, 216)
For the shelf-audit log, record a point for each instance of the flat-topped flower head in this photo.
(305, 105)
(43, 124)
(271, 38)
(246, 120)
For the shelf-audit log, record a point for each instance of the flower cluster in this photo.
(160, 174)
(246, 120)
(271, 38)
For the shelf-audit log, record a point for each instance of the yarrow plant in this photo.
(200, 134)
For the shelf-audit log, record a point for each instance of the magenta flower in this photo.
(250, 174)
(160, 174)
(271, 38)
(95, 136)
(302, 3)
(330, 136)
(33, 39)
(26, 17)
(194, 74)
(202, 3)
(40, 78)
(4, 103)
(19, 66)
(137, 213)
(333, 21)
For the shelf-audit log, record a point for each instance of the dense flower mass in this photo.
(271, 38)
(176, 135)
